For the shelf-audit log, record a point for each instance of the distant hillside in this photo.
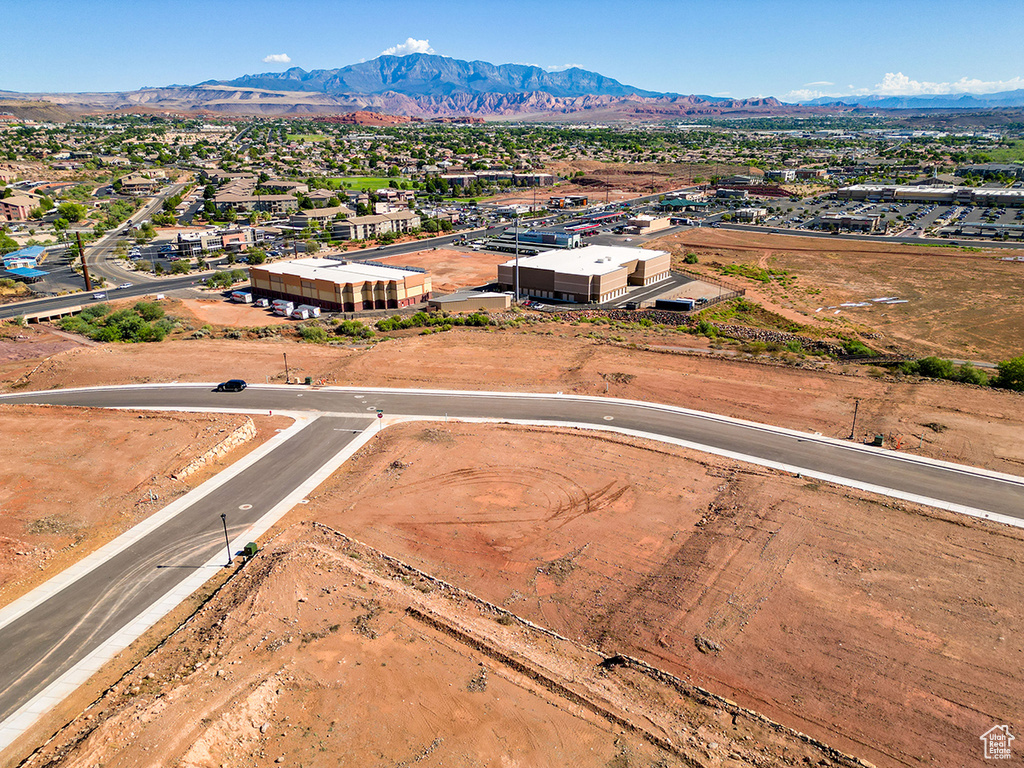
(40, 111)
(422, 74)
(942, 101)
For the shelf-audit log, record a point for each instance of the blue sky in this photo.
(739, 48)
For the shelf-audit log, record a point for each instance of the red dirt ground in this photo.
(450, 269)
(831, 611)
(322, 652)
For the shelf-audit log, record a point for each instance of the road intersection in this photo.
(58, 635)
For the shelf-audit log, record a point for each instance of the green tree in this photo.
(72, 211)
(1011, 374)
(256, 255)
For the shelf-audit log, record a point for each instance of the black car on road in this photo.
(233, 385)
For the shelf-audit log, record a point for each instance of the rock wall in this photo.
(243, 434)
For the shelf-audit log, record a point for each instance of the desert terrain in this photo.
(831, 612)
(834, 612)
(955, 422)
(961, 303)
(324, 652)
(451, 270)
(72, 479)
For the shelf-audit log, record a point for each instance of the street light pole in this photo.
(517, 259)
(227, 541)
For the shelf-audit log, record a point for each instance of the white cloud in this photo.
(898, 84)
(411, 45)
(277, 58)
(561, 67)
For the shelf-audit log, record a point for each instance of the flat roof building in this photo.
(17, 207)
(340, 286)
(319, 216)
(643, 224)
(471, 301)
(858, 223)
(593, 274)
(366, 227)
(932, 194)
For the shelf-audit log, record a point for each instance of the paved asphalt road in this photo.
(891, 470)
(50, 638)
(44, 643)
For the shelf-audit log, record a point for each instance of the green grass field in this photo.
(1012, 154)
(358, 182)
(305, 137)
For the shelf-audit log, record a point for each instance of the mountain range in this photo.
(430, 86)
(940, 101)
(423, 74)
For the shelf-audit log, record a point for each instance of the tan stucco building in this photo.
(340, 286)
(590, 275)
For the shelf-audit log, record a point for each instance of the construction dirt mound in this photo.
(323, 652)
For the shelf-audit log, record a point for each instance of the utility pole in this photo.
(85, 267)
(227, 541)
(286, 379)
(853, 429)
(517, 261)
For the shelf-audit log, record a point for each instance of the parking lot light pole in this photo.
(227, 541)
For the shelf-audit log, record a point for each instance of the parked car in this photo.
(231, 385)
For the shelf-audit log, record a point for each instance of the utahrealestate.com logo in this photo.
(997, 741)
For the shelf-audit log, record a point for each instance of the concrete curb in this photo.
(59, 689)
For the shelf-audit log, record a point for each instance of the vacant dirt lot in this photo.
(959, 303)
(971, 425)
(218, 311)
(323, 653)
(450, 269)
(833, 612)
(72, 479)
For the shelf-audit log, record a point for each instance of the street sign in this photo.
(380, 414)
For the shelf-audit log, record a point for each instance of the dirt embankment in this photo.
(971, 425)
(959, 303)
(323, 652)
(831, 611)
(72, 479)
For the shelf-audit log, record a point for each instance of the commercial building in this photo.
(269, 203)
(862, 223)
(645, 225)
(751, 214)
(319, 216)
(367, 227)
(533, 179)
(471, 301)
(285, 187)
(16, 208)
(528, 238)
(25, 258)
(590, 275)
(137, 184)
(933, 194)
(568, 201)
(193, 244)
(988, 170)
(340, 286)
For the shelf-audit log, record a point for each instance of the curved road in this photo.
(87, 613)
